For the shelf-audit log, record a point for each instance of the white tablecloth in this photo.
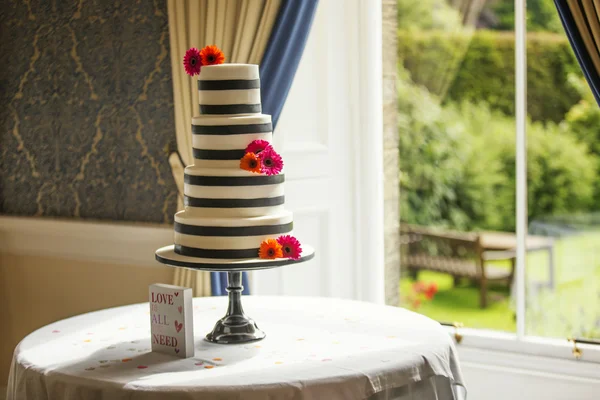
(315, 348)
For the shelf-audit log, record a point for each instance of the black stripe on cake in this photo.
(203, 154)
(231, 84)
(230, 108)
(229, 231)
(214, 253)
(258, 180)
(231, 129)
(233, 203)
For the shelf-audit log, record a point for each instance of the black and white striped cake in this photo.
(229, 211)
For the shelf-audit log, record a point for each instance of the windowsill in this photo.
(502, 349)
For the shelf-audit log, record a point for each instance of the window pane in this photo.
(457, 160)
(563, 254)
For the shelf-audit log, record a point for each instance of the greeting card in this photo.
(171, 320)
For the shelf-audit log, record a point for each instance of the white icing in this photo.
(233, 192)
(223, 242)
(223, 164)
(277, 219)
(229, 71)
(249, 119)
(245, 96)
(201, 171)
(203, 212)
(228, 142)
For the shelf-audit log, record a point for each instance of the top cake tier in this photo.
(229, 89)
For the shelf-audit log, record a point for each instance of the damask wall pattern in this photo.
(86, 122)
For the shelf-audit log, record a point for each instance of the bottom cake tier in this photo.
(227, 238)
(167, 255)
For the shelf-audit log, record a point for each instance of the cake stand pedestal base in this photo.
(235, 326)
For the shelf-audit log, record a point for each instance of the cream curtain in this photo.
(241, 29)
(585, 13)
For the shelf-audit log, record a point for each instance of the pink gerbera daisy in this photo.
(271, 161)
(256, 146)
(290, 247)
(191, 62)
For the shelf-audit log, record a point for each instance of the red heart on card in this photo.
(177, 351)
(55, 331)
(178, 325)
(142, 366)
(179, 309)
(176, 294)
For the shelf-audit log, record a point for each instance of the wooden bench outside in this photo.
(459, 254)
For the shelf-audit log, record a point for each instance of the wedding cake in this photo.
(233, 193)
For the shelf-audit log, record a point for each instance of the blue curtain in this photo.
(218, 283)
(277, 70)
(590, 72)
(283, 53)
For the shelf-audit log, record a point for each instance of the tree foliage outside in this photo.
(541, 15)
(479, 67)
(427, 14)
(583, 120)
(457, 165)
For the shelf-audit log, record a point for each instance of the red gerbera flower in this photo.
(211, 55)
(192, 62)
(271, 161)
(257, 146)
(290, 246)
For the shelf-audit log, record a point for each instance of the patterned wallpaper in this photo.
(86, 110)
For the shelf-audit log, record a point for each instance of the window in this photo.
(494, 189)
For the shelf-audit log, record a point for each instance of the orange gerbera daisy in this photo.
(251, 162)
(270, 249)
(211, 55)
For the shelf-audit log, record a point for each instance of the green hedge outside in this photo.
(457, 165)
(479, 66)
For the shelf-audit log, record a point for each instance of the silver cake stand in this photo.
(235, 327)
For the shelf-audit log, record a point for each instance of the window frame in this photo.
(519, 343)
(526, 345)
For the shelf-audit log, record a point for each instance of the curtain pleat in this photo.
(241, 29)
(582, 25)
(584, 13)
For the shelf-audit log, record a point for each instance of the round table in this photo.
(316, 348)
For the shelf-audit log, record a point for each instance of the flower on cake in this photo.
(251, 162)
(258, 145)
(212, 55)
(192, 62)
(290, 247)
(270, 249)
(271, 161)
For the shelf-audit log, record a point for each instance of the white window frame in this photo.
(520, 343)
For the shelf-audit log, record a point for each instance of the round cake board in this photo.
(166, 255)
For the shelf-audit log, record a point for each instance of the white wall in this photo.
(493, 375)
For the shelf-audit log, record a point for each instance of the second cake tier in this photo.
(219, 142)
(226, 193)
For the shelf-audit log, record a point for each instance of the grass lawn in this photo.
(572, 308)
(461, 303)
